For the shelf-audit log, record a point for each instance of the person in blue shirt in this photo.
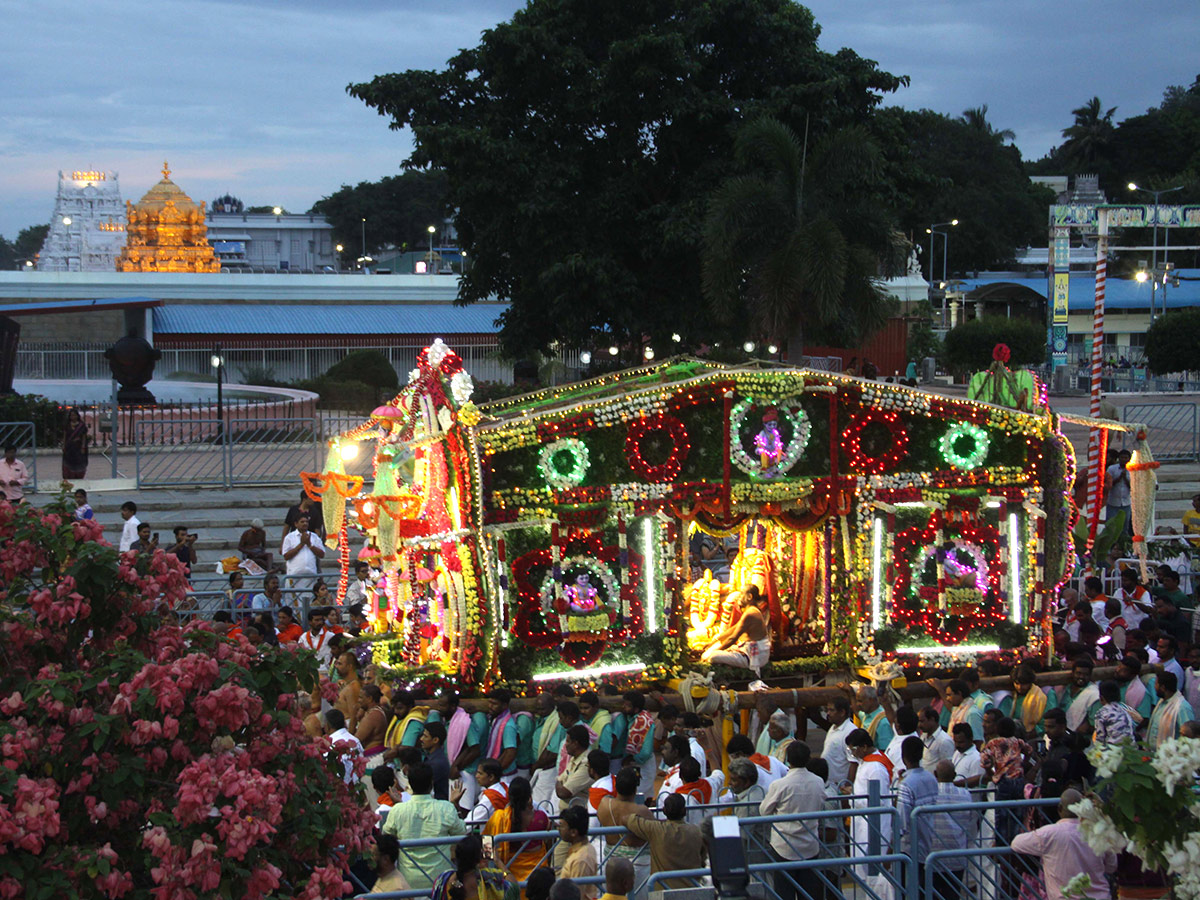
(466, 734)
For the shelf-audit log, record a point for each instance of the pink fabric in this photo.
(456, 733)
(495, 744)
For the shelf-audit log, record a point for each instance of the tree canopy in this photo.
(947, 168)
(1159, 148)
(784, 251)
(398, 209)
(1171, 342)
(969, 345)
(581, 141)
(27, 245)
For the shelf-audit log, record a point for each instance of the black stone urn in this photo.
(132, 362)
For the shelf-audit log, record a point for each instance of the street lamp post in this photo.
(337, 259)
(1154, 262)
(431, 229)
(218, 363)
(931, 231)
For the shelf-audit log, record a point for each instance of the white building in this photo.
(263, 242)
(87, 230)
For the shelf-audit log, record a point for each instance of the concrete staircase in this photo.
(1177, 484)
(219, 517)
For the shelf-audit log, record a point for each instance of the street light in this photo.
(931, 231)
(431, 229)
(218, 363)
(337, 258)
(1154, 264)
(364, 238)
(278, 210)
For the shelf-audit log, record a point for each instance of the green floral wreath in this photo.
(959, 432)
(548, 463)
(801, 429)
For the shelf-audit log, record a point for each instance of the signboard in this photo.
(1062, 283)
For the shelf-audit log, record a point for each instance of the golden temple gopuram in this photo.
(167, 232)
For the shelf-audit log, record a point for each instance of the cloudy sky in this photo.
(250, 97)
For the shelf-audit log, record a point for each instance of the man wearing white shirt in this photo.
(1135, 600)
(360, 586)
(968, 769)
(769, 768)
(674, 751)
(938, 744)
(318, 637)
(302, 550)
(129, 531)
(800, 791)
(834, 751)
(906, 724)
(342, 741)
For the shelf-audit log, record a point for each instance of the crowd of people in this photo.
(576, 763)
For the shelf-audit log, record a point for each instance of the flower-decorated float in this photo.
(558, 533)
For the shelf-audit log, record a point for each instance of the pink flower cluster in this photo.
(133, 720)
(32, 817)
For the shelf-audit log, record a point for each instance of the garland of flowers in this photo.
(801, 431)
(890, 458)
(668, 470)
(576, 469)
(964, 459)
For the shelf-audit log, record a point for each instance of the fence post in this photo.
(873, 825)
(112, 438)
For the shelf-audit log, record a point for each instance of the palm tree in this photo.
(780, 252)
(1089, 138)
(976, 117)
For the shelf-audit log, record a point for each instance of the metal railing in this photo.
(982, 862)
(1172, 428)
(224, 453)
(23, 436)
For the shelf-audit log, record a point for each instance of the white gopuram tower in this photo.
(87, 230)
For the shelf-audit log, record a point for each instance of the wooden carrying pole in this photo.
(810, 697)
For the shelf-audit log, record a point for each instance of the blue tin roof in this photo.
(328, 318)
(1119, 293)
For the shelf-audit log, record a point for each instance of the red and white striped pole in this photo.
(1095, 451)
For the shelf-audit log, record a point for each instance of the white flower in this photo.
(461, 387)
(436, 352)
(1077, 886)
(1176, 762)
(1098, 829)
(1106, 758)
(414, 375)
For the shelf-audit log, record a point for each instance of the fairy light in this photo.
(648, 542)
(956, 650)
(573, 674)
(1014, 568)
(877, 574)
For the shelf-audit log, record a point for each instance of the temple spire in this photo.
(166, 171)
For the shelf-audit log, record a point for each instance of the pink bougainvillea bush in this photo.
(142, 758)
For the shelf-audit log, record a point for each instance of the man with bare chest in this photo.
(747, 642)
(613, 811)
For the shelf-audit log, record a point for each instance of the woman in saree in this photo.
(75, 447)
(469, 880)
(519, 857)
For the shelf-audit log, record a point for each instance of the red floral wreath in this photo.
(668, 470)
(535, 629)
(889, 459)
(943, 629)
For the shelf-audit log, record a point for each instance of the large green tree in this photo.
(582, 140)
(398, 210)
(787, 247)
(960, 168)
(27, 245)
(1090, 137)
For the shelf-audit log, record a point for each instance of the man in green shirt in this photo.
(464, 755)
(1168, 589)
(423, 817)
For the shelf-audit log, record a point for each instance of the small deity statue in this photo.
(582, 598)
(958, 574)
(768, 442)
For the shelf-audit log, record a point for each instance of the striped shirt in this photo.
(951, 830)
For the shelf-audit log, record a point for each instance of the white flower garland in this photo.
(801, 430)
(580, 460)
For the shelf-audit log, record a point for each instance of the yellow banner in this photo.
(1061, 284)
